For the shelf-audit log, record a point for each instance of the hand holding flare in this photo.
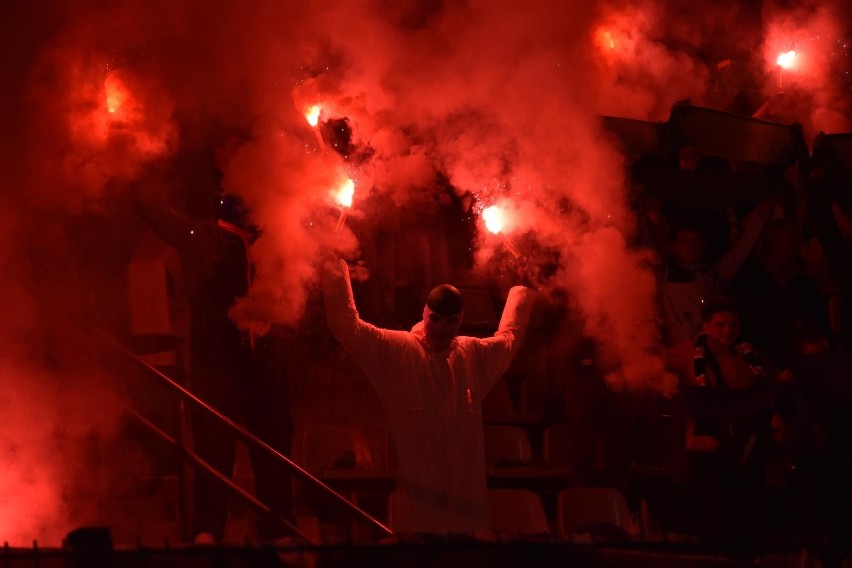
(312, 115)
(344, 200)
(343, 195)
(786, 60)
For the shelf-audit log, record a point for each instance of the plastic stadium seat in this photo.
(506, 445)
(517, 512)
(597, 511)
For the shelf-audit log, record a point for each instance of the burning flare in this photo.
(312, 115)
(343, 197)
(116, 93)
(495, 222)
(494, 218)
(603, 39)
(345, 192)
(786, 60)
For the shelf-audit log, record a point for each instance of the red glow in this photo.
(787, 59)
(604, 39)
(494, 218)
(115, 123)
(312, 115)
(118, 107)
(618, 36)
(117, 94)
(345, 193)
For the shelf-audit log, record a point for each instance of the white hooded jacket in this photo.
(433, 405)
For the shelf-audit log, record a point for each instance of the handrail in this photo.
(253, 501)
(241, 432)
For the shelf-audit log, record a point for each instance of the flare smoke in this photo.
(498, 98)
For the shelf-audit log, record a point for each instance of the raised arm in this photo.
(754, 223)
(494, 354)
(373, 348)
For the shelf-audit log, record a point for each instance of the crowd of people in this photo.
(759, 433)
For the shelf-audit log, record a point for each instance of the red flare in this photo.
(495, 221)
(117, 94)
(494, 218)
(312, 115)
(786, 60)
(343, 198)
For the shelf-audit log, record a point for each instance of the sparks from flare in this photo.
(495, 222)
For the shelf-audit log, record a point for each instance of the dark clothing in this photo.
(243, 381)
(684, 287)
(739, 420)
(258, 395)
(822, 439)
(822, 224)
(773, 312)
(721, 494)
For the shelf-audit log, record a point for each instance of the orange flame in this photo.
(116, 93)
(494, 219)
(312, 115)
(604, 39)
(786, 59)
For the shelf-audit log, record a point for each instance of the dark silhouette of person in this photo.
(776, 298)
(727, 405)
(821, 435)
(687, 278)
(241, 374)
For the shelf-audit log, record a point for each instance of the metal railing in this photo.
(242, 434)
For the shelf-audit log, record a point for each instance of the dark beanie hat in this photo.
(445, 300)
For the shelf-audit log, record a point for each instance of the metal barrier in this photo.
(243, 434)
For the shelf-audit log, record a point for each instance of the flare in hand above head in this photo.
(495, 221)
(312, 115)
(343, 197)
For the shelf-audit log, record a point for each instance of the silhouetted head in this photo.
(687, 241)
(442, 316)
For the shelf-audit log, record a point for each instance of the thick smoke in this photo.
(504, 105)
(642, 52)
(58, 452)
(498, 98)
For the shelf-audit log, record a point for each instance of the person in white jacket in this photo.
(431, 383)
